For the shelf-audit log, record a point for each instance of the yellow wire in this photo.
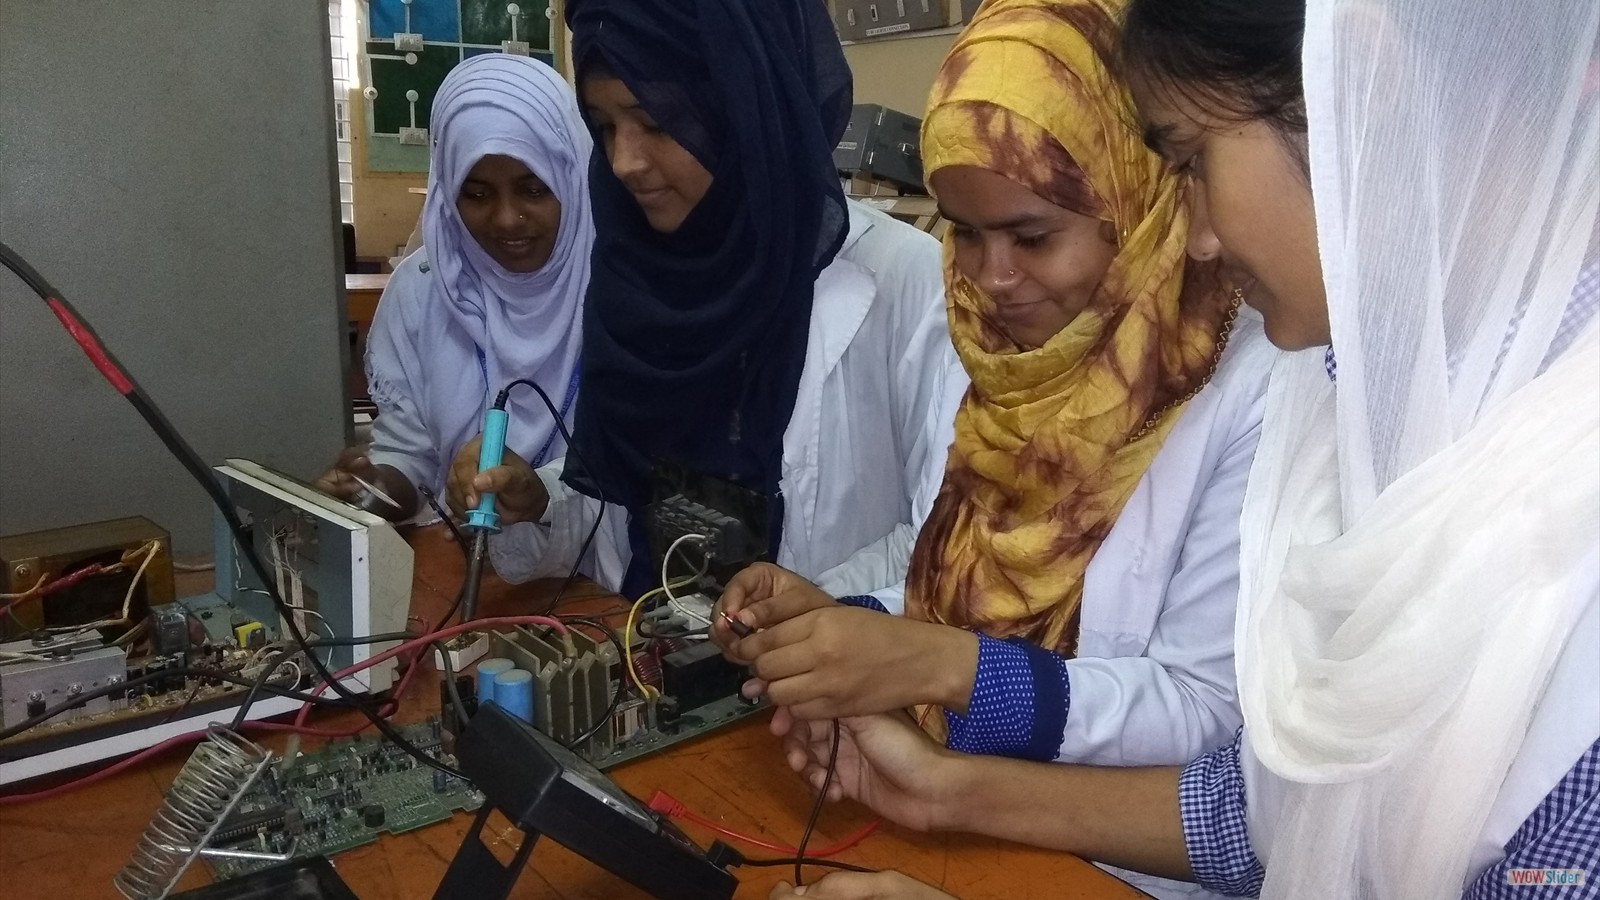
(627, 637)
(650, 693)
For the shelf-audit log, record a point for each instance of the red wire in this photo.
(44, 589)
(452, 631)
(155, 749)
(91, 347)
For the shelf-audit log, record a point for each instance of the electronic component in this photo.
(737, 627)
(341, 570)
(724, 536)
(487, 671)
(344, 795)
(56, 672)
(513, 692)
(169, 630)
(572, 681)
(250, 635)
(67, 577)
(732, 518)
(546, 790)
(697, 675)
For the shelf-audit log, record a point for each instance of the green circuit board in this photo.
(344, 795)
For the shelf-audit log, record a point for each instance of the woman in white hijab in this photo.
(1416, 186)
(494, 295)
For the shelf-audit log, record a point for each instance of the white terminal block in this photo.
(463, 650)
(516, 48)
(407, 41)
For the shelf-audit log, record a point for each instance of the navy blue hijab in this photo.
(693, 342)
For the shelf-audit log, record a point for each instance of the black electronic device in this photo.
(312, 878)
(732, 518)
(545, 789)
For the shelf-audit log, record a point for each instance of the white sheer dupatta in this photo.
(1412, 535)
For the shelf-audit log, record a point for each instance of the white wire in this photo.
(666, 582)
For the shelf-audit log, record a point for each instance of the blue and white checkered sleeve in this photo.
(1211, 802)
(864, 601)
(1562, 834)
(1019, 702)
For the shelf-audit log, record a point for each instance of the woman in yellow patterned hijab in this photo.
(1071, 594)
(1076, 380)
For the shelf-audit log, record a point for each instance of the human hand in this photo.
(845, 661)
(337, 483)
(519, 495)
(885, 762)
(341, 481)
(785, 594)
(861, 886)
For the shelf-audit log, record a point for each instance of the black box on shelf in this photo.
(882, 143)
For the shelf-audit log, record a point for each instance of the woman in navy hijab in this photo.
(743, 319)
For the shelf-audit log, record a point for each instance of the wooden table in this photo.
(70, 846)
(362, 292)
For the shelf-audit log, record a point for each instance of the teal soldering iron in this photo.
(483, 520)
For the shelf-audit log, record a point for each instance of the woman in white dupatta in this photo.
(1418, 641)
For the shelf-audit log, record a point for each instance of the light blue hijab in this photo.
(484, 326)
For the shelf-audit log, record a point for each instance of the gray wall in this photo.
(169, 166)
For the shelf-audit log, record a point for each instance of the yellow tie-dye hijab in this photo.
(1050, 442)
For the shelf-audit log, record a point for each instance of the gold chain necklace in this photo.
(1216, 359)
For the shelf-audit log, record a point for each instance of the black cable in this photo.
(450, 682)
(115, 372)
(466, 553)
(582, 552)
(500, 403)
(276, 660)
(811, 861)
(365, 639)
(816, 810)
(184, 706)
(622, 683)
(195, 671)
(187, 671)
(450, 613)
(444, 515)
(265, 675)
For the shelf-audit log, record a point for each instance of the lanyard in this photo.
(566, 406)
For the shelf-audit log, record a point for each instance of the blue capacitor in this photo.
(513, 690)
(487, 671)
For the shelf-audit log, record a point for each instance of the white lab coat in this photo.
(869, 431)
(1153, 682)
